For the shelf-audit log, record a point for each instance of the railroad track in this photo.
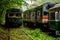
(3, 34)
(19, 34)
(14, 34)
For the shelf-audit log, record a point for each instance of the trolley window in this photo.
(38, 13)
(32, 13)
(11, 14)
(59, 15)
(52, 16)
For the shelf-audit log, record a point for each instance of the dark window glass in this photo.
(11, 14)
(52, 15)
(49, 6)
(59, 15)
(17, 14)
(45, 13)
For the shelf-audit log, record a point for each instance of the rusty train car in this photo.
(37, 16)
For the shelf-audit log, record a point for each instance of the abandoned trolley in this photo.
(54, 18)
(13, 17)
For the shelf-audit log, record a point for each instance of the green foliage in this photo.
(37, 34)
(16, 3)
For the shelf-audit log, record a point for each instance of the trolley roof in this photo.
(55, 8)
(12, 10)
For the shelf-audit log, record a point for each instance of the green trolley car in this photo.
(54, 19)
(13, 17)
